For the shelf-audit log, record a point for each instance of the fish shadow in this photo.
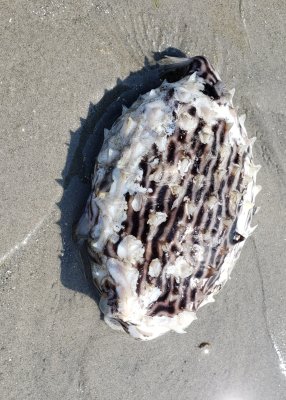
(85, 144)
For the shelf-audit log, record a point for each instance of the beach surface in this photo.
(65, 69)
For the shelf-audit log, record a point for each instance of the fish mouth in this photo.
(101, 280)
(106, 290)
(94, 271)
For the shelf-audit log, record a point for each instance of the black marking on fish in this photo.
(211, 91)
(174, 248)
(192, 111)
(200, 216)
(171, 152)
(214, 129)
(135, 223)
(160, 201)
(189, 190)
(182, 135)
(230, 180)
(170, 94)
(152, 186)
(237, 238)
(207, 167)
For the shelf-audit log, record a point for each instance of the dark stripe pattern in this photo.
(202, 216)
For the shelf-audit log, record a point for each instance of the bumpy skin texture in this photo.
(171, 204)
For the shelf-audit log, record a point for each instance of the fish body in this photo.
(171, 204)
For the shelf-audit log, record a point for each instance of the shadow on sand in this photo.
(84, 146)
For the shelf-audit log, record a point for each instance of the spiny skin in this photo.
(171, 203)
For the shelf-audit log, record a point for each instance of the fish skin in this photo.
(173, 195)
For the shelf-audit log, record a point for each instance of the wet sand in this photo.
(63, 65)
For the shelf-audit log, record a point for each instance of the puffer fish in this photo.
(172, 199)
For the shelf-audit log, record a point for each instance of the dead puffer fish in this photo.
(171, 203)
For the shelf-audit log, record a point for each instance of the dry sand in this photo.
(57, 59)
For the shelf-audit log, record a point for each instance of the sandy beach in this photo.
(66, 68)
